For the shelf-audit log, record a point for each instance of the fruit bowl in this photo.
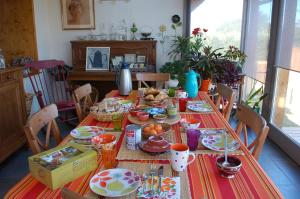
(155, 129)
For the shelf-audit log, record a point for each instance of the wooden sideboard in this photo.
(12, 111)
(105, 81)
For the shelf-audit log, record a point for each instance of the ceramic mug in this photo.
(180, 154)
(182, 94)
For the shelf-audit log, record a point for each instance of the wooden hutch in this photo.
(105, 81)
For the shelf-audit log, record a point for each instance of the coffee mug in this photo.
(179, 156)
(182, 94)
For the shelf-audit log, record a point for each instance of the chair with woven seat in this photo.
(225, 100)
(83, 100)
(45, 117)
(249, 118)
(160, 79)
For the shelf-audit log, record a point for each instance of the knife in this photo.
(160, 175)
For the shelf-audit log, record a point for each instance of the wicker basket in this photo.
(102, 117)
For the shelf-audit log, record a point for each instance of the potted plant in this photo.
(176, 70)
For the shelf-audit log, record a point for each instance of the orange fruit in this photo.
(147, 129)
(153, 132)
(151, 126)
(158, 127)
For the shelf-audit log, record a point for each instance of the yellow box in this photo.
(62, 164)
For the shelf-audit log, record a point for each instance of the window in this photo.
(223, 19)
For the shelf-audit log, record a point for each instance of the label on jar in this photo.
(133, 136)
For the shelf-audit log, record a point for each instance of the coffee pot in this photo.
(123, 79)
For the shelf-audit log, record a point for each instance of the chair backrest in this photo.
(225, 100)
(249, 118)
(82, 100)
(45, 117)
(159, 78)
(68, 194)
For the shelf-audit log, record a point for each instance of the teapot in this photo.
(191, 83)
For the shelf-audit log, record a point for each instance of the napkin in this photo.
(170, 188)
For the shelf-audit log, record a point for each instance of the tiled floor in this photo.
(282, 170)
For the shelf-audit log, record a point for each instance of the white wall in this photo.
(54, 43)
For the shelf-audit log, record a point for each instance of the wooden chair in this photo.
(153, 77)
(83, 101)
(45, 117)
(225, 100)
(249, 118)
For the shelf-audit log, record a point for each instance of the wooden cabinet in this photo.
(105, 81)
(12, 111)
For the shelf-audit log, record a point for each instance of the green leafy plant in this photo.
(176, 69)
(255, 98)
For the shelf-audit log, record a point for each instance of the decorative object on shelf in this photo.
(97, 58)
(78, 14)
(21, 61)
(176, 23)
(130, 58)
(2, 60)
(146, 33)
(141, 59)
(133, 31)
(117, 60)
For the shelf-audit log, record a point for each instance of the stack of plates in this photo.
(84, 134)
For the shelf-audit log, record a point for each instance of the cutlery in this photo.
(144, 181)
(225, 163)
(152, 173)
(160, 175)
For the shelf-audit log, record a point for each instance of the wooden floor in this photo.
(284, 172)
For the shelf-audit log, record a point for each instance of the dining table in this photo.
(201, 179)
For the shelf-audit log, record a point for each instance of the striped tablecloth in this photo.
(204, 178)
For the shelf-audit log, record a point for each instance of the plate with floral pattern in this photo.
(199, 106)
(115, 182)
(86, 132)
(216, 143)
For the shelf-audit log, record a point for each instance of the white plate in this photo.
(216, 143)
(199, 107)
(86, 132)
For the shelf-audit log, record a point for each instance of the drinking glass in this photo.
(182, 104)
(193, 138)
(117, 119)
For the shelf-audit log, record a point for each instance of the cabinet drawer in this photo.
(8, 76)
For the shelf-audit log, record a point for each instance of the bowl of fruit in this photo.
(154, 129)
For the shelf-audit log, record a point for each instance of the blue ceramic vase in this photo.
(191, 83)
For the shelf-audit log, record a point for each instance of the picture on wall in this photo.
(78, 14)
(97, 58)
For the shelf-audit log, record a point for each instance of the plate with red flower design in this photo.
(115, 182)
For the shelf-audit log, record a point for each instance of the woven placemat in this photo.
(203, 150)
(141, 168)
(125, 154)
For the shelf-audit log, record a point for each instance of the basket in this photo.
(28, 100)
(102, 117)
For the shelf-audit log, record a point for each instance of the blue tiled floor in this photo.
(284, 172)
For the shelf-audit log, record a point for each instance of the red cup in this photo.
(182, 104)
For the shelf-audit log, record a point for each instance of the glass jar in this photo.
(2, 60)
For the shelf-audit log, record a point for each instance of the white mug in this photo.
(182, 94)
(180, 154)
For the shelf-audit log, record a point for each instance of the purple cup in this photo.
(193, 139)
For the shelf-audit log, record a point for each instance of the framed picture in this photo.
(130, 58)
(97, 58)
(141, 59)
(78, 14)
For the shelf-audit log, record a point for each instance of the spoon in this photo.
(225, 163)
(144, 179)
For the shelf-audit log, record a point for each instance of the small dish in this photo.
(155, 111)
(229, 171)
(160, 117)
(155, 145)
(134, 111)
(104, 141)
(143, 116)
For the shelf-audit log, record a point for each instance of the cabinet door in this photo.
(11, 118)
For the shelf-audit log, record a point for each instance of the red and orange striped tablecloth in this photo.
(204, 179)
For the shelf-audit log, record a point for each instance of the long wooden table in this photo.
(204, 180)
